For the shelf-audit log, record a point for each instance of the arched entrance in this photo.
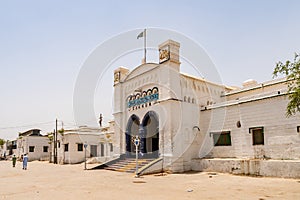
(132, 129)
(148, 132)
(150, 135)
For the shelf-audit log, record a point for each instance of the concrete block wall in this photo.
(253, 167)
(281, 139)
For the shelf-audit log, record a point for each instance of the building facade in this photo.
(34, 144)
(76, 145)
(182, 118)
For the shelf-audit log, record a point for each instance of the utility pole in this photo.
(85, 146)
(54, 146)
(55, 143)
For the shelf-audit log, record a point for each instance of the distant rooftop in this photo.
(251, 84)
(31, 132)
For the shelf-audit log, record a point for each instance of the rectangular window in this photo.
(14, 144)
(80, 147)
(31, 148)
(298, 129)
(257, 135)
(222, 138)
(66, 147)
(45, 149)
(111, 147)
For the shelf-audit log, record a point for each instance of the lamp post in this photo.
(136, 143)
(85, 146)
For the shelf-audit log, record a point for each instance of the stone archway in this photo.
(150, 135)
(132, 129)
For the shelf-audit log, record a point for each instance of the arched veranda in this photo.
(148, 132)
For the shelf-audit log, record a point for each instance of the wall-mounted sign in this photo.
(143, 97)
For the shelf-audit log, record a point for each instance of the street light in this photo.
(136, 143)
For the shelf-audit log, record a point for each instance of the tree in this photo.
(292, 72)
(2, 142)
(50, 137)
(61, 131)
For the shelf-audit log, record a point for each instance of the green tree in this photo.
(50, 137)
(291, 69)
(2, 142)
(61, 131)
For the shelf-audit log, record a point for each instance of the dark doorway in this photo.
(131, 131)
(93, 151)
(150, 135)
(102, 149)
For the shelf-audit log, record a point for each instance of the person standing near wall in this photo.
(25, 160)
(14, 160)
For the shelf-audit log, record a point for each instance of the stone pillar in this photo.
(119, 110)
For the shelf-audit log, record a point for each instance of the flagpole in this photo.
(145, 45)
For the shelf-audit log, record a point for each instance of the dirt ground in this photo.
(43, 180)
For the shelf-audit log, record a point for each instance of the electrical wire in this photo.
(24, 126)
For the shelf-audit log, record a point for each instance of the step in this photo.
(128, 165)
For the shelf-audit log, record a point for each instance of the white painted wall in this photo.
(280, 133)
(38, 142)
(85, 136)
(215, 108)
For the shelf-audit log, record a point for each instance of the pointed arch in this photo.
(150, 134)
(132, 129)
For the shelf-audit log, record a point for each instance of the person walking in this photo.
(14, 160)
(25, 160)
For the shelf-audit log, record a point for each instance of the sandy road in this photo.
(43, 180)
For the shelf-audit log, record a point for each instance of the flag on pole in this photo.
(143, 34)
(140, 35)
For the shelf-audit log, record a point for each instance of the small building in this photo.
(108, 141)
(76, 145)
(10, 148)
(34, 144)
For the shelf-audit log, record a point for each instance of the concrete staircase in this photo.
(128, 165)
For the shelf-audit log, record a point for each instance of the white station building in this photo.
(34, 144)
(85, 143)
(189, 123)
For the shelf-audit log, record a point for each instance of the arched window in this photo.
(129, 98)
(154, 90)
(149, 92)
(137, 96)
(144, 94)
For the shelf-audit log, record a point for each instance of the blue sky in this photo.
(43, 45)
